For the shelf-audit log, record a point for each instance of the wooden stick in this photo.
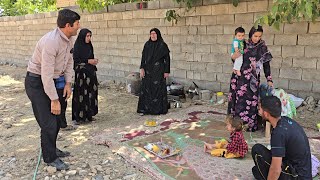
(268, 128)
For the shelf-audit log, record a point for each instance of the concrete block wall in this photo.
(199, 42)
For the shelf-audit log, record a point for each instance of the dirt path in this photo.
(19, 134)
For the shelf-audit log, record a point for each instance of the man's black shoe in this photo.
(59, 164)
(62, 153)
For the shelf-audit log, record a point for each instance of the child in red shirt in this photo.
(236, 147)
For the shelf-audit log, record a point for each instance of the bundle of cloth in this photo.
(315, 163)
(288, 107)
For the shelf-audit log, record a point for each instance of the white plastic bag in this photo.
(297, 101)
(129, 88)
(315, 164)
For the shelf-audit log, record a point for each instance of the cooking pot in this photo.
(176, 89)
(176, 86)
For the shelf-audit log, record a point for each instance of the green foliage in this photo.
(92, 5)
(22, 7)
(171, 15)
(7, 6)
(290, 11)
(96, 5)
(281, 11)
(189, 3)
(235, 2)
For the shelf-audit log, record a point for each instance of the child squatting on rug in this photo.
(236, 147)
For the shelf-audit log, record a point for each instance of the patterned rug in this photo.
(208, 167)
(187, 132)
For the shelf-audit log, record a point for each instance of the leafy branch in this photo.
(281, 11)
(290, 11)
(172, 15)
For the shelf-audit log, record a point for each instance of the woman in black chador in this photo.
(85, 92)
(154, 69)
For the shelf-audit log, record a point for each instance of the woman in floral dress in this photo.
(243, 95)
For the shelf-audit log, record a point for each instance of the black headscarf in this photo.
(154, 50)
(83, 50)
(159, 37)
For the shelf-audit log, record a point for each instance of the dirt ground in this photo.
(19, 134)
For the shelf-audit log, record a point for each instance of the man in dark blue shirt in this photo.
(290, 156)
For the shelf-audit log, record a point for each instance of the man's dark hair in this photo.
(272, 105)
(67, 16)
(239, 30)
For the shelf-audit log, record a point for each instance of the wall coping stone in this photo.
(159, 4)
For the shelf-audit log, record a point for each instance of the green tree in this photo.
(22, 7)
(7, 6)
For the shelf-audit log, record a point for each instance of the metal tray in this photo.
(162, 146)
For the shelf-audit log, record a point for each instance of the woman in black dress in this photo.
(154, 69)
(85, 92)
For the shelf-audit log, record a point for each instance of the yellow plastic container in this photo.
(153, 123)
(219, 93)
(220, 97)
(150, 123)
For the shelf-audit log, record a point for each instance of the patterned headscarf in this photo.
(260, 50)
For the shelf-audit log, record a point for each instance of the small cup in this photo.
(149, 146)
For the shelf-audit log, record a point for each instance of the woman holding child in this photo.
(243, 95)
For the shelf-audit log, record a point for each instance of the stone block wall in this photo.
(200, 42)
